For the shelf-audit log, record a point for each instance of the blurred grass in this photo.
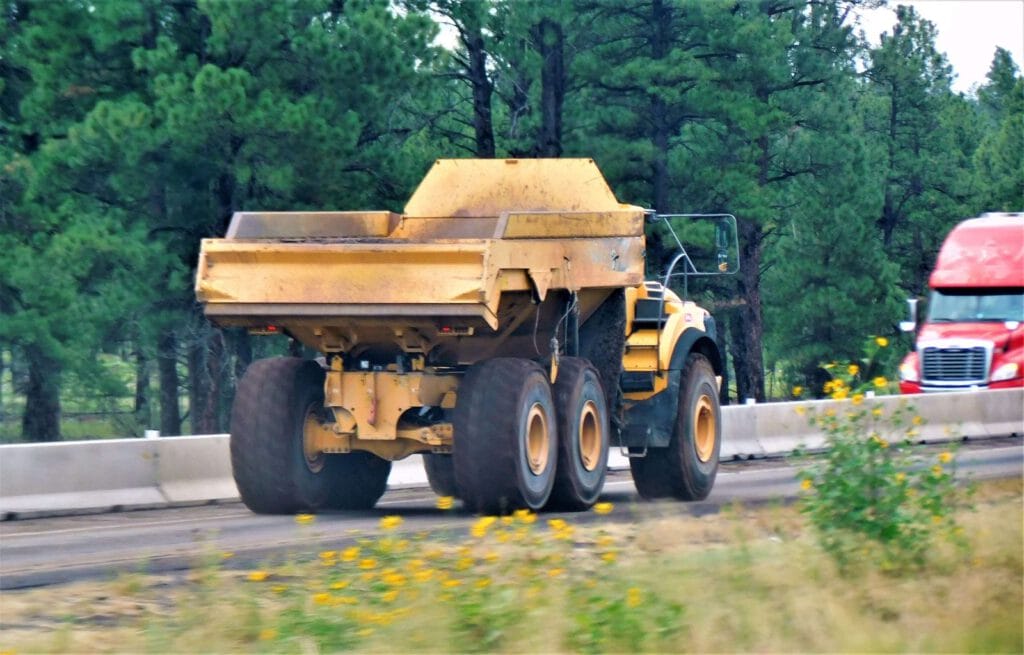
(745, 580)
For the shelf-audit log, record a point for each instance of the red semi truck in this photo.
(973, 334)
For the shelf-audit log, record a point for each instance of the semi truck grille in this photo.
(960, 365)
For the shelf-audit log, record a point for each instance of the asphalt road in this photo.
(46, 551)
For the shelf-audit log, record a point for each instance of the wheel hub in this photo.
(590, 436)
(704, 428)
(538, 442)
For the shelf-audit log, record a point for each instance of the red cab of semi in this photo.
(973, 334)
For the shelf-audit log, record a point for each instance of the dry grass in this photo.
(746, 580)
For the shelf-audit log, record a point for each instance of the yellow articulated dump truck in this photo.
(501, 327)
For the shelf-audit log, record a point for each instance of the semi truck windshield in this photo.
(1001, 305)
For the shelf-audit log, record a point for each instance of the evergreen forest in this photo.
(132, 129)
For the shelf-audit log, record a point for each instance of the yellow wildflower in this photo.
(525, 516)
(917, 420)
(610, 556)
(603, 508)
(368, 564)
(900, 477)
(390, 522)
(483, 583)
(945, 457)
(937, 470)
(554, 573)
(858, 398)
(328, 555)
(346, 600)
(557, 524)
(279, 589)
(936, 519)
(798, 391)
(304, 519)
(266, 634)
(882, 342)
(340, 584)
(423, 575)
(604, 541)
(633, 597)
(482, 525)
(876, 411)
(350, 554)
(840, 394)
(801, 411)
(853, 369)
(444, 502)
(508, 520)
(451, 584)
(395, 579)
(491, 556)
(258, 576)
(365, 632)
(322, 598)
(880, 382)
(389, 596)
(227, 555)
(806, 484)
(464, 563)
(829, 385)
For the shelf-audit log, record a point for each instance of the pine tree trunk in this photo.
(750, 369)
(41, 421)
(198, 386)
(143, 416)
(211, 418)
(550, 42)
(483, 125)
(739, 345)
(167, 368)
(661, 21)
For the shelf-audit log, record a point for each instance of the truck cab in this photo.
(972, 336)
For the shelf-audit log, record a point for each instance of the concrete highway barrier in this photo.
(107, 475)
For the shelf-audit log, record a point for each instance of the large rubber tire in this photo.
(686, 469)
(440, 471)
(583, 436)
(505, 445)
(357, 480)
(267, 458)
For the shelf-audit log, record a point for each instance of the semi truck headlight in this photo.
(1007, 371)
(908, 372)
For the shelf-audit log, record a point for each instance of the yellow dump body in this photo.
(457, 274)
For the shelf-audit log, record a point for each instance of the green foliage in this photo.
(871, 501)
(130, 131)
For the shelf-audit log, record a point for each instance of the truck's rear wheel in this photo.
(440, 471)
(686, 469)
(583, 436)
(273, 472)
(505, 437)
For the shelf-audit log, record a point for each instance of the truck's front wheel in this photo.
(506, 439)
(273, 472)
(686, 469)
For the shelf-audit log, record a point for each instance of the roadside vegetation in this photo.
(746, 579)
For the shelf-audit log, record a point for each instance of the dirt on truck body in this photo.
(501, 326)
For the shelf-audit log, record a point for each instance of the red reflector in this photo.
(271, 328)
(446, 328)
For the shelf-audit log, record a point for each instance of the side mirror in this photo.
(722, 246)
(911, 324)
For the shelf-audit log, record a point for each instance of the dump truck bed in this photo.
(479, 244)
